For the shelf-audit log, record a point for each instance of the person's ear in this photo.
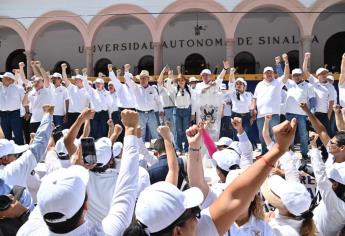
(342, 148)
(177, 231)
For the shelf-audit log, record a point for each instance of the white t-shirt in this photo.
(323, 94)
(268, 97)
(37, 100)
(253, 227)
(296, 94)
(182, 98)
(60, 95)
(243, 104)
(11, 97)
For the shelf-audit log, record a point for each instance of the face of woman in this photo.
(181, 82)
(240, 87)
(190, 228)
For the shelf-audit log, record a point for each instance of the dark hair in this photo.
(308, 227)
(101, 169)
(159, 145)
(340, 136)
(65, 226)
(340, 190)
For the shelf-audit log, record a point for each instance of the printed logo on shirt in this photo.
(256, 233)
(208, 113)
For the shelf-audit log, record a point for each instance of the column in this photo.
(157, 55)
(305, 46)
(230, 50)
(29, 58)
(89, 60)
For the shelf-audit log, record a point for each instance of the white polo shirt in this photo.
(78, 99)
(243, 104)
(37, 99)
(254, 226)
(323, 94)
(182, 98)
(268, 97)
(296, 94)
(125, 95)
(60, 95)
(166, 94)
(113, 103)
(341, 94)
(11, 97)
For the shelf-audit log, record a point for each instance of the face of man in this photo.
(334, 147)
(111, 88)
(99, 86)
(323, 77)
(297, 77)
(206, 78)
(57, 81)
(192, 85)
(39, 84)
(79, 83)
(268, 76)
(7, 81)
(144, 81)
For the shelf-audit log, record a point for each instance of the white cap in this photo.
(8, 75)
(9, 147)
(143, 181)
(223, 87)
(57, 75)
(297, 71)
(99, 80)
(241, 80)
(233, 174)
(117, 148)
(293, 195)
(224, 141)
(160, 204)
(320, 71)
(63, 191)
(330, 77)
(205, 71)
(193, 79)
(110, 83)
(78, 77)
(103, 150)
(337, 172)
(144, 73)
(268, 68)
(226, 158)
(36, 78)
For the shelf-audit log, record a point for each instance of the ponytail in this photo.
(308, 227)
(135, 229)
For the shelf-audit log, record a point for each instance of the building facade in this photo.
(150, 34)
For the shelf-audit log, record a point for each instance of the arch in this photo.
(245, 63)
(107, 15)
(320, 6)
(14, 58)
(194, 64)
(17, 27)
(50, 18)
(286, 6)
(333, 51)
(102, 66)
(186, 5)
(146, 63)
(293, 59)
(57, 68)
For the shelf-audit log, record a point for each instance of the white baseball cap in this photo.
(337, 172)
(241, 80)
(223, 87)
(160, 204)
(36, 78)
(205, 71)
(290, 195)
(78, 77)
(268, 68)
(330, 77)
(110, 83)
(226, 158)
(8, 75)
(117, 148)
(9, 147)
(224, 141)
(99, 80)
(193, 79)
(321, 70)
(63, 191)
(103, 150)
(57, 75)
(297, 71)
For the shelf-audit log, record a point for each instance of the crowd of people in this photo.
(83, 157)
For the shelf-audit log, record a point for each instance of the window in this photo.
(194, 64)
(14, 58)
(293, 59)
(245, 63)
(334, 49)
(102, 66)
(146, 63)
(57, 68)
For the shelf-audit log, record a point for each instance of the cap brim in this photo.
(192, 197)
(270, 197)
(20, 148)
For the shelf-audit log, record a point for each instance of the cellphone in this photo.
(89, 150)
(57, 133)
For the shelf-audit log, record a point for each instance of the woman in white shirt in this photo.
(182, 112)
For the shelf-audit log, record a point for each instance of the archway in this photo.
(146, 63)
(12, 61)
(57, 68)
(194, 64)
(334, 49)
(102, 66)
(293, 59)
(245, 63)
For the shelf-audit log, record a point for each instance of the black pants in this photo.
(99, 127)
(11, 122)
(72, 117)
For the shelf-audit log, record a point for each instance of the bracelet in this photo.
(195, 149)
(267, 163)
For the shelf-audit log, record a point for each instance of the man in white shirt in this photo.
(99, 100)
(113, 105)
(299, 91)
(60, 100)
(341, 84)
(78, 97)
(40, 96)
(147, 98)
(12, 96)
(266, 99)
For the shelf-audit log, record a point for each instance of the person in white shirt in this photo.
(329, 215)
(341, 84)
(323, 94)
(78, 97)
(40, 96)
(299, 91)
(266, 99)
(12, 99)
(332, 125)
(147, 98)
(113, 105)
(62, 197)
(60, 100)
(100, 101)
(225, 124)
(178, 211)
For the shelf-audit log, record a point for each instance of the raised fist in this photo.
(63, 66)
(307, 55)
(226, 64)
(88, 113)
(284, 134)
(164, 131)
(110, 67)
(130, 119)
(127, 67)
(21, 65)
(48, 108)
